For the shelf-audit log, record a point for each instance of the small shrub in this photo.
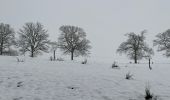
(114, 65)
(129, 76)
(19, 84)
(84, 62)
(148, 94)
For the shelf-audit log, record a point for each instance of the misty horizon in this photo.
(105, 22)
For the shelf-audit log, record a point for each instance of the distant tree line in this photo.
(33, 38)
(136, 48)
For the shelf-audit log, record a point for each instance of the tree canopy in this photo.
(33, 38)
(163, 42)
(7, 36)
(135, 47)
(72, 40)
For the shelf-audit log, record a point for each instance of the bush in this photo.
(114, 65)
(84, 62)
(129, 76)
(148, 94)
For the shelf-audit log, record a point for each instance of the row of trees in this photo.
(33, 38)
(136, 48)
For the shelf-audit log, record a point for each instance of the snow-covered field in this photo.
(41, 79)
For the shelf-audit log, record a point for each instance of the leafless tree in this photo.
(6, 37)
(33, 38)
(163, 42)
(135, 47)
(72, 40)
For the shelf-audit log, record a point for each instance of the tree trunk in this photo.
(32, 54)
(72, 55)
(32, 51)
(135, 61)
(135, 58)
(1, 49)
(54, 54)
(150, 64)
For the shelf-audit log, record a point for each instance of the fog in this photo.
(105, 21)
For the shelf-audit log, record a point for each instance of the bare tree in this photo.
(163, 42)
(33, 38)
(72, 40)
(135, 47)
(6, 37)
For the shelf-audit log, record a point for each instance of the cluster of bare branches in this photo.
(72, 40)
(33, 38)
(6, 37)
(163, 42)
(135, 46)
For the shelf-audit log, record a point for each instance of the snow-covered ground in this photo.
(41, 79)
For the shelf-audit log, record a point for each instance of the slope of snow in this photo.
(41, 79)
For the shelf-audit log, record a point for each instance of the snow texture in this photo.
(41, 79)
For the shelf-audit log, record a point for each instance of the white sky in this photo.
(105, 21)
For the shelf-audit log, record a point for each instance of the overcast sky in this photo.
(105, 21)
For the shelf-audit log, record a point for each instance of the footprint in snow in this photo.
(19, 84)
(72, 87)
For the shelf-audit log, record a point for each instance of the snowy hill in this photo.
(41, 79)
